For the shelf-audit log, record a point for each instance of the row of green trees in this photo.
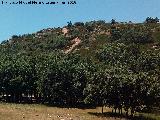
(130, 79)
(152, 20)
(120, 78)
(46, 77)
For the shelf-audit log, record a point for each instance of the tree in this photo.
(152, 20)
(113, 21)
(69, 24)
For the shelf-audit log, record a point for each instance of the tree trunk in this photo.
(7, 100)
(31, 97)
(115, 110)
(3, 94)
(132, 112)
(102, 109)
(121, 111)
(127, 113)
(39, 98)
(20, 97)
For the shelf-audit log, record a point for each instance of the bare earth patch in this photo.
(75, 42)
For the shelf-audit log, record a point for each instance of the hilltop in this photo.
(91, 35)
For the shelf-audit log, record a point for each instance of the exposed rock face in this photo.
(65, 31)
(75, 42)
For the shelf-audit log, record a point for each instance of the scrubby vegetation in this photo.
(115, 65)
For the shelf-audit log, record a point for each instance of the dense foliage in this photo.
(117, 65)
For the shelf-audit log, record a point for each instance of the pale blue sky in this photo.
(23, 19)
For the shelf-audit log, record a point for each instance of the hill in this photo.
(93, 63)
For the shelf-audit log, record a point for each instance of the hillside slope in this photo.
(93, 63)
(92, 34)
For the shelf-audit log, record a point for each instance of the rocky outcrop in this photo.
(65, 31)
(75, 42)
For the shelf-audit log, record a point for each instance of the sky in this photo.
(24, 19)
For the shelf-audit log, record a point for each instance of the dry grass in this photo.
(41, 112)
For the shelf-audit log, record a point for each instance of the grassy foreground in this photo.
(42, 112)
